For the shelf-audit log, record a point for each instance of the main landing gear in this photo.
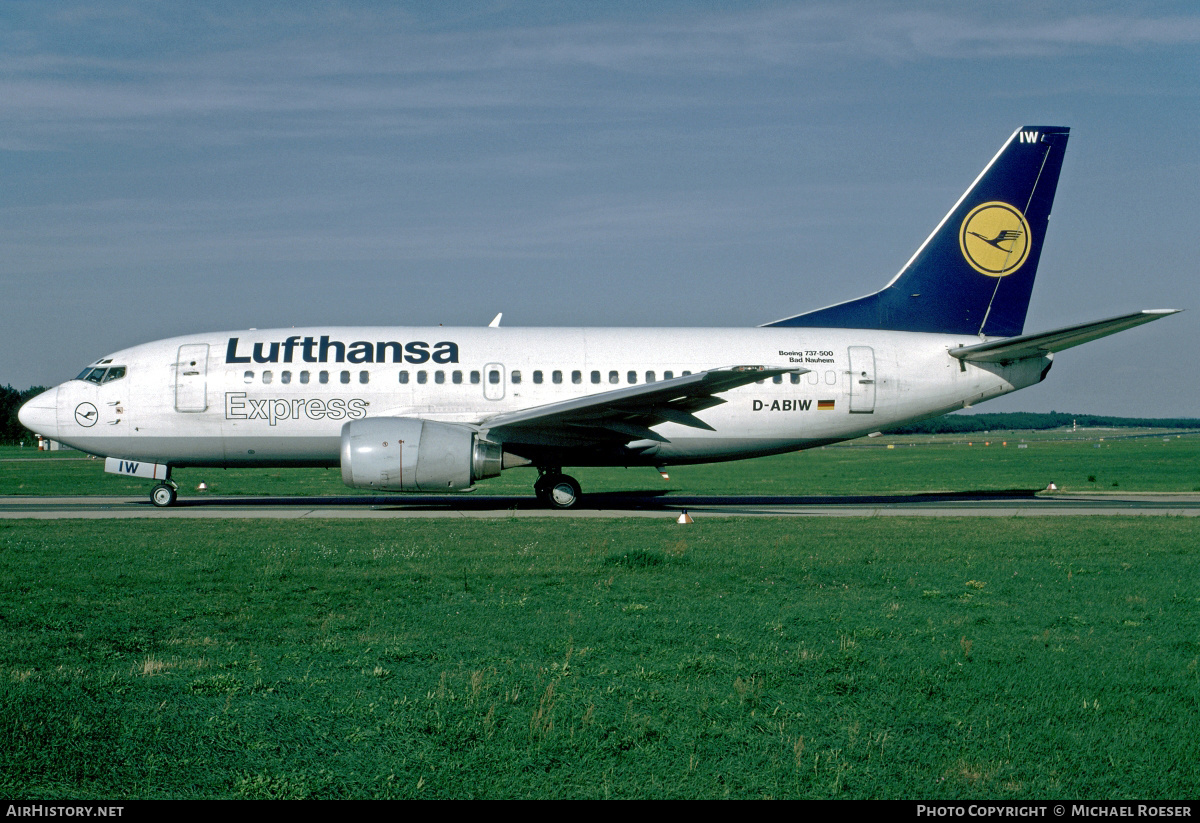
(557, 490)
(163, 495)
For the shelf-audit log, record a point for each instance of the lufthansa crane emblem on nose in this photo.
(86, 415)
(994, 239)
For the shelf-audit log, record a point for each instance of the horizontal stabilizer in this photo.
(1036, 345)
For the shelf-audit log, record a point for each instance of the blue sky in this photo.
(171, 168)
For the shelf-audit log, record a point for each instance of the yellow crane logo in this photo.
(994, 239)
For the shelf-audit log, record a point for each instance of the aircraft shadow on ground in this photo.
(623, 500)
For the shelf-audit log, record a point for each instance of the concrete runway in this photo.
(651, 504)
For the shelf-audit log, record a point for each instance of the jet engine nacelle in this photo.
(414, 455)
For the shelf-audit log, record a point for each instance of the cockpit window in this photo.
(100, 374)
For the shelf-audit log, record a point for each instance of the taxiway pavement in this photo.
(967, 504)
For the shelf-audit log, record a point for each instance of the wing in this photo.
(622, 415)
(1036, 345)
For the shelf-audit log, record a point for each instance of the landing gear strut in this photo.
(557, 490)
(163, 495)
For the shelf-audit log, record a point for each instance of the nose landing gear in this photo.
(557, 490)
(163, 495)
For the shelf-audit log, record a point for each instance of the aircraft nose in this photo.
(40, 414)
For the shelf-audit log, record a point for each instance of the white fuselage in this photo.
(280, 397)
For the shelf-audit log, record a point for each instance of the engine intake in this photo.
(414, 455)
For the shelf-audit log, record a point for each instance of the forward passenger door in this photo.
(191, 378)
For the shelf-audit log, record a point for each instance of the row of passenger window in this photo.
(494, 377)
(538, 377)
(475, 377)
(364, 377)
(614, 376)
(322, 377)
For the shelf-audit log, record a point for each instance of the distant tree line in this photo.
(11, 430)
(953, 423)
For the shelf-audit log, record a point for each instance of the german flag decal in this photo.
(824, 405)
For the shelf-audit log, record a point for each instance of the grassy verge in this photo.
(547, 658)
(992, 462)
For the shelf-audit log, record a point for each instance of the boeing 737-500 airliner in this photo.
(433, 409)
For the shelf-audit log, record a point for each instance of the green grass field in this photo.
(993, 461)
(915, 658)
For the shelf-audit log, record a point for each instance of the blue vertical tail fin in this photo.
(974, 274)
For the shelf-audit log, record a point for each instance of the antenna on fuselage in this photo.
(495, 324)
